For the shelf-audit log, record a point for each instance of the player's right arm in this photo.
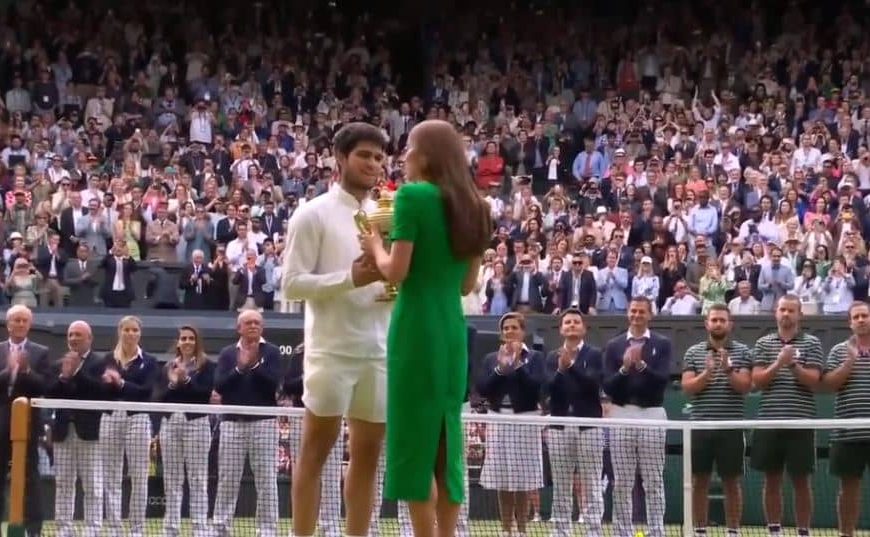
(303, 243)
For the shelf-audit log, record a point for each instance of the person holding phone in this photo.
(185, 438)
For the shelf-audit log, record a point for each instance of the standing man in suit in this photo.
(92, 229)
(162, 236)
(79, 276)
(25, 372)
(612, 282)
(248, 373)
(195, 281)
(50, 262)
(636, 372)
(574, 375)
(76, 434)
(271, 224)
(528, 287)
(577, 288)
(69, 220)
(250, 280)
(117, 291)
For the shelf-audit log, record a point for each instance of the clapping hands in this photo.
(509, 356)
(112, 377)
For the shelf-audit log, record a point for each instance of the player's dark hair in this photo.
(354, 134)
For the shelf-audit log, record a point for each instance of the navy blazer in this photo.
(645, 388)
(257, 386)
(471, 334)
(196, 391)
(293, 386)
(140, 377)
(522, 386)
(85, 385)
(29, 384)
(577, 391)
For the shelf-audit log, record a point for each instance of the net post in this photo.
(19, 435)
(688, 515)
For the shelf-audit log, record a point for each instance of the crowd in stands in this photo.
(724, 158)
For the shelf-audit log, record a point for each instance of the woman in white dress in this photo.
(511, 381)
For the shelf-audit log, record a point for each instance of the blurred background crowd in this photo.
(690, 152)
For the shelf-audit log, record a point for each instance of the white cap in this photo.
(601, 210)
(646, 259)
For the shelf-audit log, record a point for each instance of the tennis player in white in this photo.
(345, 333)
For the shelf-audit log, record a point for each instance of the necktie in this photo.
(118, 283)
(83, 265)
(198, 279)
(587, 169)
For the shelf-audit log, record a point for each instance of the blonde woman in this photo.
(185, 438)
(130, 375)
(645, 283)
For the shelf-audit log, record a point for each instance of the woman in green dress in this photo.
(441, 226)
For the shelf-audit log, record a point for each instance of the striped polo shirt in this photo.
(785, 397)
(853, 399)
(718, 401)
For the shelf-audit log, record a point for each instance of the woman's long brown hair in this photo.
(467, 213)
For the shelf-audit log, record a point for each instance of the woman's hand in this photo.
(371, 241)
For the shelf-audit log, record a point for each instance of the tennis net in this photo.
(203, 470)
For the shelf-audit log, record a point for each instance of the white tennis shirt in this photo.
(321, 245)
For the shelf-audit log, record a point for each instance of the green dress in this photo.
(427, 356)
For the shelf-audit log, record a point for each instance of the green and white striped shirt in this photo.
(718, 401)
(785, 397)
(853, 399)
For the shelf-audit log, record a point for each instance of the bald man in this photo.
(76, 433)
(248, 373)
(24, 371)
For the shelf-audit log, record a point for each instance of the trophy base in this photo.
(389, 295)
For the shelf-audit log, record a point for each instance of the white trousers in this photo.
(184, 446)
(120, 435)
(632, 450)
(77, 458)
(329, 519)
(582, 451)
(258, 441)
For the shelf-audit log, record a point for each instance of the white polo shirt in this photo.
(322, 243)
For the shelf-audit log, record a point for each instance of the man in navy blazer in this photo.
(76, 433)
(24, 372)
(249, 374)
(574, 375)
(637, 367)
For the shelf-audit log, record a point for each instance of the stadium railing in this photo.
(526, 454)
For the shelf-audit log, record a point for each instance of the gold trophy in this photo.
(383, 218)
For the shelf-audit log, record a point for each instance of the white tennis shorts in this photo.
(355, 388)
